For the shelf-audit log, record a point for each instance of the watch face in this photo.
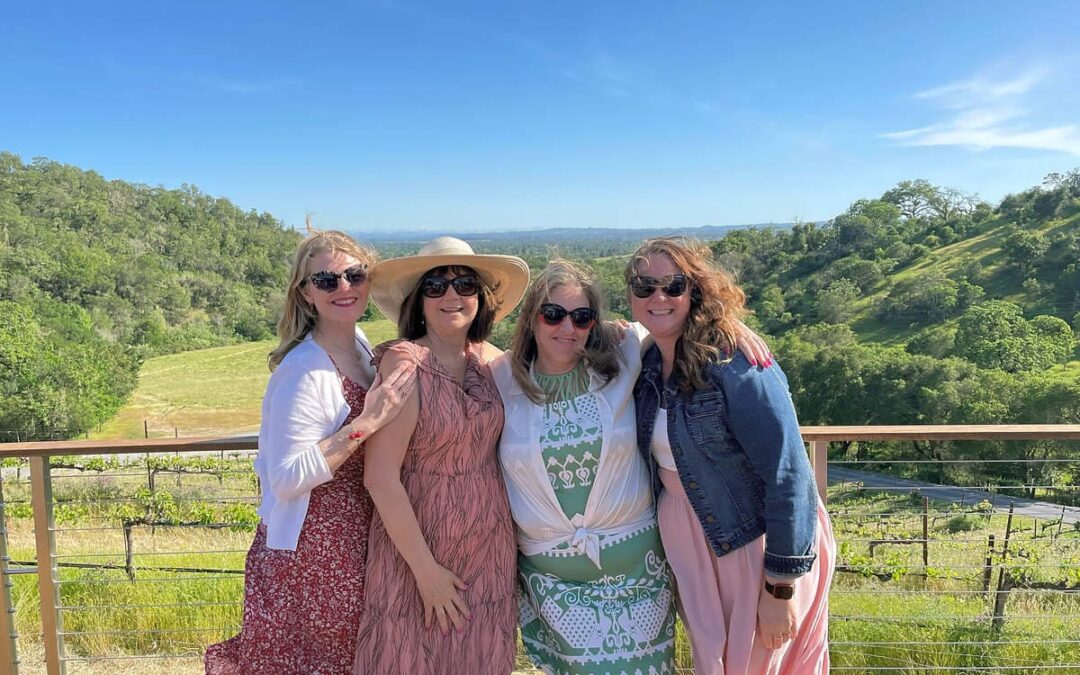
(783, 592)
(780, 591)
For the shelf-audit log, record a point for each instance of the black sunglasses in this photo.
(672, 285)
(328, 281)
(436, 287)
(582, 317)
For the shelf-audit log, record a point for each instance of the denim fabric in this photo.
(740, 457)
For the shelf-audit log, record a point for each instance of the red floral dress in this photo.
(302, 608)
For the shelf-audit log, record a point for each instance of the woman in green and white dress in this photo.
(595, 593)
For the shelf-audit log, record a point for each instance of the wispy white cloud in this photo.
(986, 113)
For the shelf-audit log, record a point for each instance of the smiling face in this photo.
(559, 348)
(664, 316)
(342, 305)
(452, 314)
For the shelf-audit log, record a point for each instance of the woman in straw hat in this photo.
(304, 577)
(746, 535)
(441, 586)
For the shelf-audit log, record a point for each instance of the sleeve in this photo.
(295, 422)
(762, 418)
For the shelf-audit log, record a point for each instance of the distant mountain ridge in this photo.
(563, 234)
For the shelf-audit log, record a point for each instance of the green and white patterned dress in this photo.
(578, 618)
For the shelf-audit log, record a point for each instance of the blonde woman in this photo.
(304, 576)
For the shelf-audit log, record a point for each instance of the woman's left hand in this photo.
(775, 620)
(752, 346)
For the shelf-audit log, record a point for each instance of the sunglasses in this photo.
(672, 285)
(582, 317)
(436, 287)
(328, 281)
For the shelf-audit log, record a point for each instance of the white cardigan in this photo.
(620, 503)
(303, 405)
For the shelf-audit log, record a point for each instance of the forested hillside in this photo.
(96, 275)
(926, 306)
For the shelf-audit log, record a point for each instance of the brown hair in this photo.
(411, 324)
(298, 317)
(716, 302)
(601, 347)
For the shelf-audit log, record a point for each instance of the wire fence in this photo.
(124, 564)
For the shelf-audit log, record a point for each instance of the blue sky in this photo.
(525, 114)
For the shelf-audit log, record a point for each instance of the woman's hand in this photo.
(621, 326)
(752, 346)
(439, 588)
(384, 400)
(776, 620)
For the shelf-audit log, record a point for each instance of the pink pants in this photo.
(718, 597)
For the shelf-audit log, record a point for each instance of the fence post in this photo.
(9, 656)
(129, 553)
(926, 536)
(988, 566)
(1005, 582)
(820, 461)
(48, 574)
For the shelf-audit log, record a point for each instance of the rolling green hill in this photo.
(208, 392)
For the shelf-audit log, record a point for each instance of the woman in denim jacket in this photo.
(745, 533)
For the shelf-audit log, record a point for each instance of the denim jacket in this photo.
(740, 456)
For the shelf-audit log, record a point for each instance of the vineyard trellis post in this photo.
(9, 657)
(926, 536)
(129, 554)
(1005, 580)
(48, 573)
(988, 567)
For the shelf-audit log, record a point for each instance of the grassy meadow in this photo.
(208, 392)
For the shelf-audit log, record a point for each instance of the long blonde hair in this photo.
(602, 346)
(716, 302)
(298, 317)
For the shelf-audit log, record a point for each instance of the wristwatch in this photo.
(780, 591)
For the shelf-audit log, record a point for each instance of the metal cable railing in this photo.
(122, 565)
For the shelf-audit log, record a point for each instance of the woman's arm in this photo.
(762, 418)
(384, 401)
(384, 456)
(295, 418)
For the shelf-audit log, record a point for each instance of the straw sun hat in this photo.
(392, 280)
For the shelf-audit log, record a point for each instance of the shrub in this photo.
(963, 523)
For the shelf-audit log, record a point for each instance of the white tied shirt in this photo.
(303, 404)
(620, 501)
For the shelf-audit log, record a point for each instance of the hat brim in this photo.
(392, 280)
